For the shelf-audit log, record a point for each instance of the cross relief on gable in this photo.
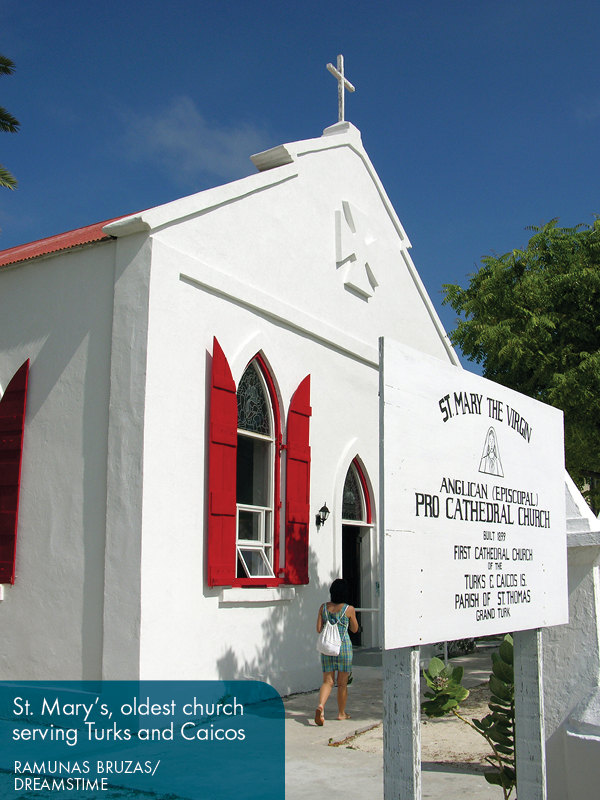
(356, 247)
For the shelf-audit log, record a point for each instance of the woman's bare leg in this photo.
(324, 693)
(342, 694)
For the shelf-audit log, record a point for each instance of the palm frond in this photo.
(7, 67)
(7, 179)
(8, 123)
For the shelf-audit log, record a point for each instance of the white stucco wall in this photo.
(125, 460)
(57, 311)
(572, 666)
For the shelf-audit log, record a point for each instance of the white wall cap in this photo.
(286, 153)
(583, 539)
(275, 157)
(580, 516)
(585, 718)
(346, 128)
(123, 227)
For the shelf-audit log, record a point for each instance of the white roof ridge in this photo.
(287, 153)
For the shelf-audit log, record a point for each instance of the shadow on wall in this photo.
(286, 657)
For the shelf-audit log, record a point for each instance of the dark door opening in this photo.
(351, 571)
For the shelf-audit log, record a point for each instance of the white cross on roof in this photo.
(343, 83)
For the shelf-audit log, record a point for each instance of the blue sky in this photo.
(481, 118)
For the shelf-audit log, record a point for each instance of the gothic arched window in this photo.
(356, 506)
(255, 476)
(245, 545)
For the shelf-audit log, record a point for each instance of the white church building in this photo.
(202, 381)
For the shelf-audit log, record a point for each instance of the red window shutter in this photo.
(297, 495)
(221, 477)
(12, 424)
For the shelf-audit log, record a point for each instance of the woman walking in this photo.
(337, 611)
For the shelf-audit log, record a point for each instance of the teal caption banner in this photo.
(161, 740)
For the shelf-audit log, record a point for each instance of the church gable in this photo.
(313, 230)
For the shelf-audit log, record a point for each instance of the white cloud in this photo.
(184, 142)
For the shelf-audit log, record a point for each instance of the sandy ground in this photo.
(449, 740)
(445, 740)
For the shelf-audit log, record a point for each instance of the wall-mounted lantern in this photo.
(322, 515)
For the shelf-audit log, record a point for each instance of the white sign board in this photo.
(473, 499)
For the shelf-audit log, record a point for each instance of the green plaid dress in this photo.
(343, 661)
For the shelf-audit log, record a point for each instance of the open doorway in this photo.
(351, 572)
(356, 550)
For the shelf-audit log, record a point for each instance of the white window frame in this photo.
(265, 544)
(262, 545)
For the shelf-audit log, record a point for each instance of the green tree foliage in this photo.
(532, 318)
(7, 123)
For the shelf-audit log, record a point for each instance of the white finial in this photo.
(342, 84)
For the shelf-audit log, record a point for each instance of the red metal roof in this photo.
(54, 244)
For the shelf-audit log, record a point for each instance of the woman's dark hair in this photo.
(339, 591)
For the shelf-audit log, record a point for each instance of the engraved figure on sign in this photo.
(490, 460)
